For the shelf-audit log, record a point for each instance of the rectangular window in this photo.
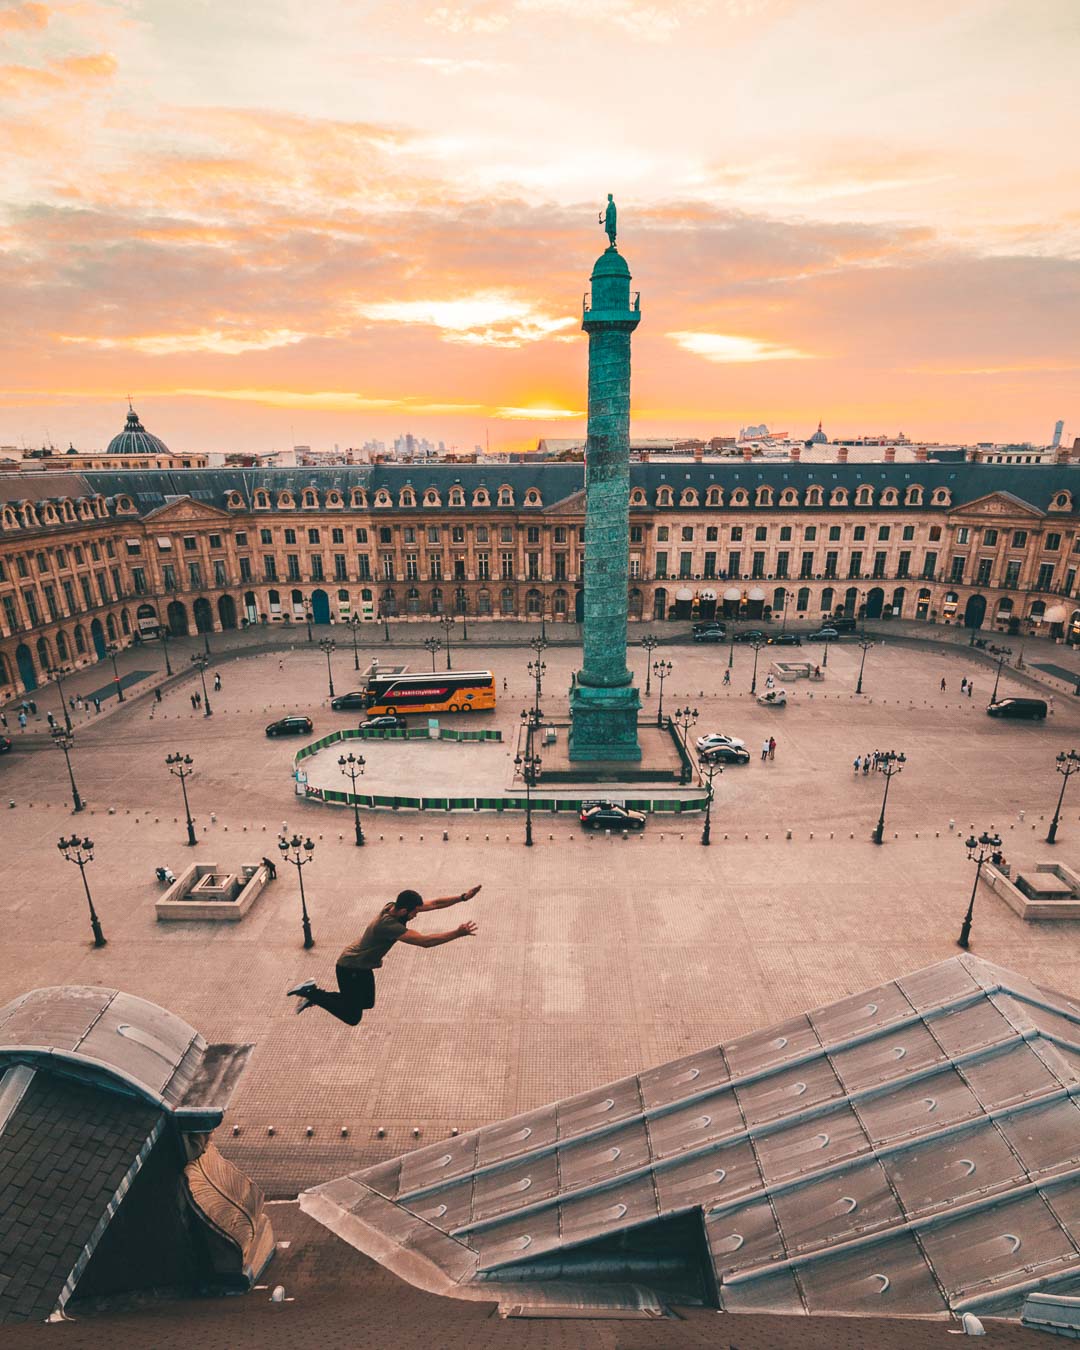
(782, 564)
(245, 569)
(661, 566)
(315, 559)
(935, 533)
(830, 564)
(712, 534)
(963, 535)
(481, 534)
(1070, 581)
(1045, 581)
(363, 565)
(269, 567)
(710, 566)
(929, 567)
(532, 563)
(435, 566)
(903, 564)
(94, 554)
(190, 543)
(412, 566)
(337, 536)
(78, 554)
(219, 573)
(459, 567)
(313, 536)
(195, 576)
(134, 548)
(408, 534)
(663, 534)
(686, 565)
(757, 567)
(30, 601)
(341, 571)
(483, 566)
(10, 617)
(560, 566)
(241, 539)
(637, 534)
(883, 532)
(855, 564)
(1019, 539)
(736, 534)
(43, 562)
(88, 596)
(1012, 574)
(290, 536)
(1052, 543)
(292, 562)
(388, 566)
(69, 591)
(215, 541)
(687, 534)
(909, 533)
(433, 534)
(989, 538)
(506, 566)
(785, 534)
(386, 535)
(266, 538)
(103, 587)
(879, 564)
(506, 534)
(118, 585)
(834, 533)
(532, 534)
(635, 568)
(734, 565)
(361, 535)
(806, 566)
(560, 533)
(810, 534)
(858, 534)
(956, 568)
(982, 574)
(50, 601)
(457, 534)
(760, 534)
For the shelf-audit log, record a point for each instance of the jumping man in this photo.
(357, 964)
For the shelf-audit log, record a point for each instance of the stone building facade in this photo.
(96, 558)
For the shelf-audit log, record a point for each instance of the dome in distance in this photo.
(135, 439)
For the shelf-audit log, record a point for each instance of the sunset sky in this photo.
(284, 222)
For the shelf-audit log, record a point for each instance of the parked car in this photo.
(773, 698)
(708, 625)
(714, 738)
(1034, 708)
(345, 702)
(290, 726)
(749, 634)
(717, 634)
(824, 635)
(384, 722)
(610, 816)
(785, 640)
(725, 754)
(844, 624)
(5, 744)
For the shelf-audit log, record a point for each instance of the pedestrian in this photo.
(217, 684)
(943, 684)
(963, 686)
(71, 702)
(271, 869)
(772, 747)
(505, 685)
(764, 749)
(866, 764)
(3, 720)
(50, 719)
(858, 761)
(1049, 700)
(194, 705)
(198, 699)
(22, 720)
(971, 688)
(33, 707)
(157, 694)
(356, 966)
(97, 704)
(769, 681)
(727, 676)
(25, 706)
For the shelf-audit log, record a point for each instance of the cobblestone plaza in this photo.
(595, 956)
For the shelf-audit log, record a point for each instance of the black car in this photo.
(725, 754)
(1033, 708)
(749, 635)
(706, 624)
(717, 633)
(384, 722)
(785, 640)
(610, 816)
(290, 726)
(347, 702)
(843, 625)
(824, 635)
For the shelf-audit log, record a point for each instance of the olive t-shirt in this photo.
(379, 936)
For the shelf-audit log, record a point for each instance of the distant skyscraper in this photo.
(1059, 427)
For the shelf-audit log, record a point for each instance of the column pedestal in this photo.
(604, 723)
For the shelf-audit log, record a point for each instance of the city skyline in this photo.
(371, 219)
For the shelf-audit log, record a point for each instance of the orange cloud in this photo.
(24, 18)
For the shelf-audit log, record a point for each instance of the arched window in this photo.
(67, 510)
(814, 496)
(412, 601)
(663, 496)
(407, 497)
(29, 516)
(740, 497)
(262, 499)
(763, 496)
(838, 497)
(789, 497)
(457, 497)
(461, 600)
(534, 602)
(358, 499)
(688, 497)
(558, 602)
(43, 654)
(802, 603)
(714, 497)
(80, 640)
(483, 601)
(310, 499)
(343, 598)
(506, 600)
(50, 514)
(8, 519)
(828, 599)
(913, 496)
(125, 622)
(437, 606)
(110, 627)
(864, 495)
(388, 602)
(506, 495)
(86, 510)
(62, 647)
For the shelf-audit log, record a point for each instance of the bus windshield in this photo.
(445, 691)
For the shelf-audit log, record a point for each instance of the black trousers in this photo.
(354, 995)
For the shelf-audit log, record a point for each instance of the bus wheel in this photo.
(466, 707)
(453, 708)
(392, 712)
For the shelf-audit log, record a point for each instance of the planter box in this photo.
(206, 891)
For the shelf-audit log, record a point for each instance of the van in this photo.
(843, 624)
(1034, 708)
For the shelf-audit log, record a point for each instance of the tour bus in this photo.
(447, 691)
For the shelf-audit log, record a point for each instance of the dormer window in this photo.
(235, 502)
(407, 497)
(740, 497)
(8, 519)
(864, 495)
(789, 497)
(86, 510)
(714, 497)
(67, 511)
(838, 497)
(664, 497)
(432, 498)
(285, 501)
(688, 497)
(913, 496)
(763, 496)
(310, 500)
(101, 506)
(382, 498)
(506, 495)
(481, 497)
(1062, 502)
(637, 497)
(333, 499)
(814, 496)
(457, 497)
(890, 497)
(941, 497)
(533, 498)
(125, 504)
(262, 499)
(358, 498)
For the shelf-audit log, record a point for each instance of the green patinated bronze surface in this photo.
(604, 702)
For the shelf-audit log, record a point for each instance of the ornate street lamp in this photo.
(825, 658)
(180, 766)
(354, 627)
(463, 610)
(163, 634)
(684, 719)
(328, 645)
(528, 765)
(57, 673)
(200, 661)
(865, 643)
(536, 669)
(986, 844)
(1001, 653)
(447, 621)
(433, 645)
(352, 766)
(661, 669)
(650, 643)
(783, 616)
(298, 852)
(1067, 764)
(385, 624)
(731, 647)
(111, 652)
(80, 852)
(308, 619)
(64, 739)
(889, 763)
(710, 770)
(757, 644)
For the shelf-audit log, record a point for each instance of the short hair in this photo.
(409, 900)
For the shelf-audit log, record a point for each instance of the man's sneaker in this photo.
(304, 1005)
(302, 988)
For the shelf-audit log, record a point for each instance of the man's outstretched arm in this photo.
(437, 939)
(445, 901)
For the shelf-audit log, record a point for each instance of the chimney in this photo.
(796, 453)
(699, 453)
(841, 454)
(747, 453)
(1061, 455)
(920, 454)
(890, 454)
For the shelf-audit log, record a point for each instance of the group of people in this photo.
(966, 686)
(28, 708)
(873, 759)
(768, 748)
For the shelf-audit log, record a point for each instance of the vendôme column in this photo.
(604, 702)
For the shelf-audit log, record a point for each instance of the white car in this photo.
(715, 738)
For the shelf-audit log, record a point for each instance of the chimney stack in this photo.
(796, 453)
(920, 454)
(841, 454)
(890, 454)
(747, 453)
